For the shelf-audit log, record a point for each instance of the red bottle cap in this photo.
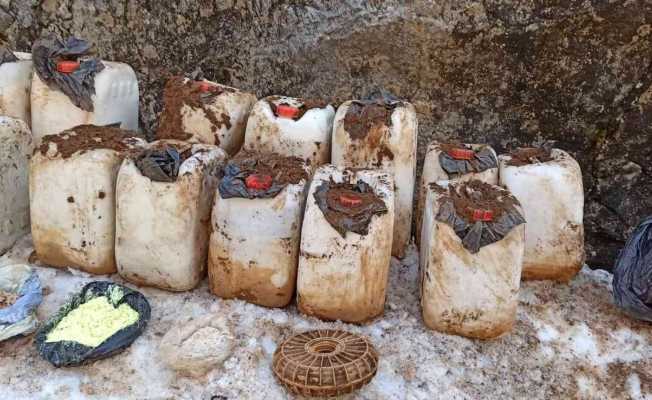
(483, 215)
(285, 111)
(67, 67)
(206, 86)
(350, 200)
(258, 181)
(461, 154)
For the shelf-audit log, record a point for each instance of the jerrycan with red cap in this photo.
(472, 246)
(457, 162)
(346, 244)
(15, 83)
(256, 228)
(70, 87)
(291, 127)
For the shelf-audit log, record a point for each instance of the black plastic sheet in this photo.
(482, 161)
(233, 183)
(477, 234)
(68, 353)
(349, 219)
(7, 56)
(632, 283)
(79, 85)
(160, 165)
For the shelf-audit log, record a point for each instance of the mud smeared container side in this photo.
(344, 277)
(72, 196)
(291, 127)
(163, 213)
(381, 133)
(549, 187)
(466, 289)
(256, 228)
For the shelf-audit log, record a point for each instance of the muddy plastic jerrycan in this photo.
(381, 134)
(256, 228)
(72, 182)
(346, 244)
(291, 127)
(15, 150)
(548, 183)
(205, 112)
(163, 204)
(471, 257)
(69, 88)
(15, 84)
(455, 162)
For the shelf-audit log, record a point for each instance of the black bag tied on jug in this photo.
(162, 164)
(54, 62)
(478, 161)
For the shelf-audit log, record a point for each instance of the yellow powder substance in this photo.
(93, 322)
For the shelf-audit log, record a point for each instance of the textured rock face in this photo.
(577, 73)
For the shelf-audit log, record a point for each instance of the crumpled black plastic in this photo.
(68, 353)
(7, 56)
(475, 235)
(233, 182)
(160, 165)
(632, 282)
(79, 85)
(349, 219)
(483, 160)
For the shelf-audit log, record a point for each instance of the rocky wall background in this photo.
(577, 73)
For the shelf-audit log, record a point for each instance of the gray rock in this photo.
(576, 73)
(195, 347)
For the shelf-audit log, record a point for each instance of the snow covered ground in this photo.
(569, 342)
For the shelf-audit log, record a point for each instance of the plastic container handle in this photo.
(258, 181)
(67, 67)
(461, 154)
(350, 200)
(483, 215)
(285, 111)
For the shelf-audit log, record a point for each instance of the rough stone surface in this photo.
(195, 346)
(506, 72)
(569, 341)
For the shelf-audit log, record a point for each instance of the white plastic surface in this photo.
(115, 100)
(552, 197)
(345, 278)
(254, 246)
(162, 227)
(72, 206)
(15, 84)
(401, 141)
(433, 172)
(309, 138)
(15, 149)
(468, 294)
(236, 105)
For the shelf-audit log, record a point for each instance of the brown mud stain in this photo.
(88, 137)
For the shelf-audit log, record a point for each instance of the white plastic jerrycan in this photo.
(163, 204)
(346, 244)
(256, 228)
(15, 150)
(72, 196)
(549, 186)
(71, 89)
(205, 112)
(291, 127)
(381, 134)
(471, 257)
(15, 84)
(455, 162)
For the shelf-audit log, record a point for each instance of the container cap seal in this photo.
(67, 67)
(258, 181)
(461, 154)
(285, 111)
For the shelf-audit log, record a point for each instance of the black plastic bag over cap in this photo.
(66, 66)
(160, 165)
(632, 283)
(69, 353)
(461, 159)
(7, 56)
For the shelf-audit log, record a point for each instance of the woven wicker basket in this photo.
(325, 363)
